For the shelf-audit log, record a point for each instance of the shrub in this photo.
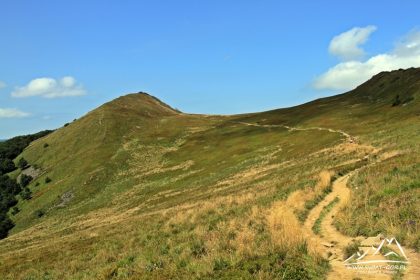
(22, 163)
(15, 210)
(351, 249)
(25, 180)
(39, 213)
(397, 101)
(46, 145)
(26, 194)
(47, 180)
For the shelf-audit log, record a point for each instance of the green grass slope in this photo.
(140, 190)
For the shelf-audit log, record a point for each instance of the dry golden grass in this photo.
(285, 230)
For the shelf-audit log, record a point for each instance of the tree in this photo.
(5, 225)
(6, 201)
(6, 165)
(8, 185)
(25, 180)
(22, 163)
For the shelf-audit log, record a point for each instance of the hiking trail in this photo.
(330, 242)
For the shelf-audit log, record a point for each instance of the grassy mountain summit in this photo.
(136, 189)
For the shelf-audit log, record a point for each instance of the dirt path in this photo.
(333, 241)
(346, 135)
(330, 242)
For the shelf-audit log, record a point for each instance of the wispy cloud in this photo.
(12, 113)
(2, 84)
(50, 88)
(347, 44)
(349, 74)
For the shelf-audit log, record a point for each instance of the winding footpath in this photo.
(330, 242)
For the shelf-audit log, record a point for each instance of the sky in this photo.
(61, 59)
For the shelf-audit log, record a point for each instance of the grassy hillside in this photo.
(140, 190)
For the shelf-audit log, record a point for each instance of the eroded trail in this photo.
(290, 128)
(334, 242)
(339, 241)
(330, 242)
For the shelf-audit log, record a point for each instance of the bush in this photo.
(22, 163)
(26, 194)
(39, 213)
(397, 101)
(15, 210)
(46, 145)
(25, 180)
(47, 180)
(351, 249)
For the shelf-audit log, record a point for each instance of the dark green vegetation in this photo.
(10, 149)
(351, 249)
(137, 189)
(9, 188)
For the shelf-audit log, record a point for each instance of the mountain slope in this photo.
(140, 190)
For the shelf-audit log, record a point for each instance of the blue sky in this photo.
(219, 57)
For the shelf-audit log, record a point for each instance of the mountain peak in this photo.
(140, 103)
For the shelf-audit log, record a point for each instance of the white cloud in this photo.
(349, 74)
(50, 88)
(12, 113)
(2, 84)
(347, 45)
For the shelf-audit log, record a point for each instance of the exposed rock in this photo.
(65, 198)
(30, 171)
